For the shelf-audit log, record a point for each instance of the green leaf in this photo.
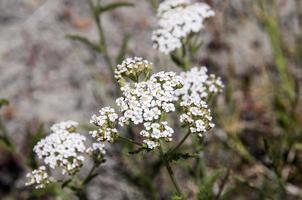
(176, 59)
(3, 102)
(85, 41)
(206, 187)
(112, 6)
(122, 52)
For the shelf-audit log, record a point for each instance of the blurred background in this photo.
(254, 45)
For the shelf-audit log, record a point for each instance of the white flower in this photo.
(69, 126)
(177, 19)
(151, 144)
(198, 85)
(106, 121)
(145, 101)
(98, 148)
(197, 116)
(62, 150)
(156, 131)
(39, 177)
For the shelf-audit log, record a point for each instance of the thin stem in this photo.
(221, 186)
(170, 172)
(88, 177)
(180, 143)
(130, 141)
(79, 190)
(102, 38)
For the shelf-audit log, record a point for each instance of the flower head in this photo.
(98, 148)
(39, 177)
(63, 150)
(198, 85)
(154, 132)
(146, 101)
(197, 116)
(69, 126)
(106, 123)
(177, 19)
(97, 152)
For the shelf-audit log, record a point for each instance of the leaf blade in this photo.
(112, 6)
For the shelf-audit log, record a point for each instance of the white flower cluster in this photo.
(177, 19)
(106, 121)
(132, 68)
(197, 116)
(68, 125)
(198, 85)
(63, 150)
(156, 131)
(39, 177)
(146, 101)
(97, 147)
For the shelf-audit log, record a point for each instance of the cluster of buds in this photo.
(106, 122)
(132, 68)
(39, 177)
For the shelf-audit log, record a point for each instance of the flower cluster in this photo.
(132, 68)
(177, 19)
(39, 177)
(198, 85)
(156, 131)
(146, 101)
(106, 123)
(197, 116)
(97, 152)
(97, 147)
(63, 148)
(69, 126)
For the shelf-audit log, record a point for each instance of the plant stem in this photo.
(170, 172)
(102, 38)
(180, 143)
(87, 179)
(130, 141)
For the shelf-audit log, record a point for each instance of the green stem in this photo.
(180, 143)
(130, 141)
(102, 37)
(170, 172)
(88, 177)
(185, 58)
